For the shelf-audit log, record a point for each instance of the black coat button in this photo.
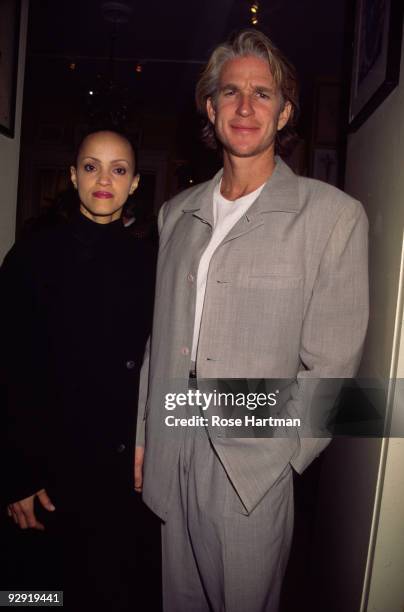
(121, 448)
(130, 364)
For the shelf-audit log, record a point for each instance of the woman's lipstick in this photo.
(104, 195)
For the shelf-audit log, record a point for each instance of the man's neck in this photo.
(243, 175)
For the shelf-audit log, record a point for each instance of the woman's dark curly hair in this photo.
(242, 44)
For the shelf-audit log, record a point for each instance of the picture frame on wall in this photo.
(327, 113)
(9, 42)
(376, 56)
(325, 165)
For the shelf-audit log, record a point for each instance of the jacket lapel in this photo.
(201, 203)
(280, 194)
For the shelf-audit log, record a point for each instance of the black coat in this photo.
(76, 309)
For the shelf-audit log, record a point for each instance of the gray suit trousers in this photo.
(215, 555)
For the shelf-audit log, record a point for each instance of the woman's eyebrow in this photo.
(91, 157)
(113, 161)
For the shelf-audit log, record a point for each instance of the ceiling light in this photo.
(116, 12)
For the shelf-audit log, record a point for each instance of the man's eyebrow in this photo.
(263, 88)
(228, 86)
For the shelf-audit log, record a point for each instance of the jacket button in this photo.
(190, 278)
(130, 364)
(185, 350)
(120, 448)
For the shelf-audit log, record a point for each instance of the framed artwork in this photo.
(325, 165)
(376, 56)
(327, 113)
(9, 42)
(51, 134)
(50, 182)
(297, 158)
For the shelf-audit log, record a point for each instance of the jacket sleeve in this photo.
(334, 329)
(24, 461)
(143, 393)
(144, 373)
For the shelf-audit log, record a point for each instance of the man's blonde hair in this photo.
(242, 44)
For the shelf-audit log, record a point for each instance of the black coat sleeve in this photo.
(23, 453)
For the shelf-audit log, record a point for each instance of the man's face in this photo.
(249, 109)
(104, 176)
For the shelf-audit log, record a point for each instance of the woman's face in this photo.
(104, 176)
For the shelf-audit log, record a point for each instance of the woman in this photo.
(77, 306)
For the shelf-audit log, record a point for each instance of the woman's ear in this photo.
(73, 176)
(134, 184)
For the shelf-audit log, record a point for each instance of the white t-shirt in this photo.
(226, 213)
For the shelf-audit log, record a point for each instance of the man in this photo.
(261, 274)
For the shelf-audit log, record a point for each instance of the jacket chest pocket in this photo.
(274, 281)
(276, 276)
(268, 298)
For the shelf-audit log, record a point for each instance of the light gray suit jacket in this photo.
(286, 296)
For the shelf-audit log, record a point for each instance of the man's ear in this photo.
(135, 184)
(210, 110)
(284, 115)
(73, 176)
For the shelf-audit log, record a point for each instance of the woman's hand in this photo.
(23, 511)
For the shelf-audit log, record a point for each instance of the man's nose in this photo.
(245, 107)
